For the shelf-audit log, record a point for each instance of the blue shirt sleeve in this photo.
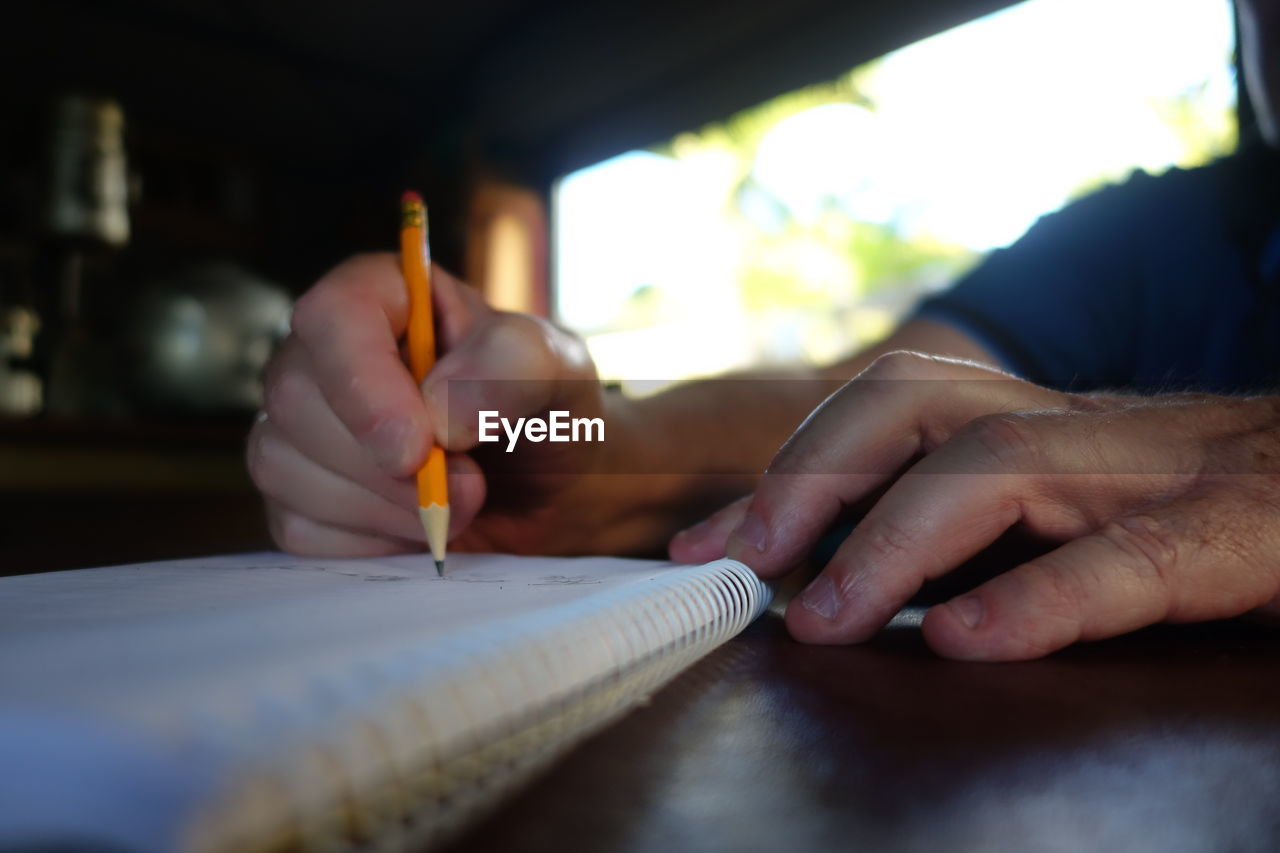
(1059, 305)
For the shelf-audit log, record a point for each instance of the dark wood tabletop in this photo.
(1165, 740)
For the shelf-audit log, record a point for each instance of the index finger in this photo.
(944, 510)
(350, 323)
(902, 406)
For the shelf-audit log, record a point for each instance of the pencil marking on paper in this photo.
(564, 580)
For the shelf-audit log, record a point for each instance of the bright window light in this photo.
(804, 228)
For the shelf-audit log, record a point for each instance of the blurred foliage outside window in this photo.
(805, 228)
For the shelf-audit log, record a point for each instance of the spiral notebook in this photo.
(267, 702)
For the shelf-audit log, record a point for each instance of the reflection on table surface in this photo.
(1165, 740)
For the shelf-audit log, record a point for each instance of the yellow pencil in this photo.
(415, 260)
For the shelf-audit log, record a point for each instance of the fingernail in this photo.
(968, 610)
(821, 597)
(387, 441)
(752, 532)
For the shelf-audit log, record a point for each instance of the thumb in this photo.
(706, 540)
(506, 363)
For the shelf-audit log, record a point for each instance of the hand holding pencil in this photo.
(346, 429)
(415, 260)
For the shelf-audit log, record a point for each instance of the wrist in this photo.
(649, 478)
(641, 482)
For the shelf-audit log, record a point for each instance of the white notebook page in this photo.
(173, 677)
(217, 625)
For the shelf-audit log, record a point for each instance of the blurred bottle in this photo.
(89, 182)
(86, 211)
(20, 389)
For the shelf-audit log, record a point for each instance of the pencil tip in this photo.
(435, 524)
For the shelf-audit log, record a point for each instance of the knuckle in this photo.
(530, 340)
(263, 461)
(284, 390)
(291, 532)
(1085, 403)
(1152, 551)
(1061, 589)
(815, 446)
(899, 364)
(1006, 439)
(1259, 456)
(256, 457)
(313, 313)
(573, 352)
(350, 283)
(886, 541)
(1057, 597)
(525, 328)
(791, 457)
(806, 453)
(274, 369)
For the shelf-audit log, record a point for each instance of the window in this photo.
(806, 227)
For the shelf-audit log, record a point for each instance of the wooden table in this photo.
(1166, 740)
(76, 494)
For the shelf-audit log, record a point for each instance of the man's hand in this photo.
(345, 427)
(1167, 508)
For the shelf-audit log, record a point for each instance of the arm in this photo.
(344, 428)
